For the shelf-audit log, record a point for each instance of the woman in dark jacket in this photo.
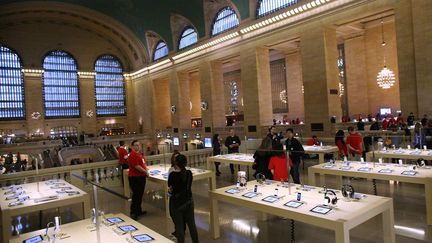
(216, 151)
(181, 202)
(262, 158)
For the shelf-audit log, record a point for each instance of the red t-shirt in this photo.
(134, 160)
(342, 148)
(122, 153)
(280, 167)
(355, 140)
(312, 141)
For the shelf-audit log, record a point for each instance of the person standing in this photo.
(232, 142)
(262, 158)
(181, 202)
(216, 151)
(410, 119)
(137, 179)
(340, 143)
(273, 135)
(296, 151)
(278, 164)
(354, 142)
(424, 120)
(313, 141)
(122, 155)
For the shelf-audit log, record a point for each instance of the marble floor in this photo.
(242, 225)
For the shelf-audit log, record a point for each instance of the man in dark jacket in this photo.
(296, 151)
(232, 142)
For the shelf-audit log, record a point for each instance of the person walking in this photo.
(137, 179)
(296, 151)
(181, 201)
(232, 142)
(216, 151)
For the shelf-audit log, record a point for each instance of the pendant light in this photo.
(385, 78)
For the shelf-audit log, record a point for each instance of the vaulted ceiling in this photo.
(154, 15)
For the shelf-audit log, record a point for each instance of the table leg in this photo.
(342, 234)
(428, 195)
(86, 207)
(388, 225)
(209, 167)
(126, 189)
(214, 218)
(312, 176)
(167, 211)
(6, 225)
(321, 158)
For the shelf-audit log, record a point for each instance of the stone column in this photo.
(406, 56)
(356, 73)
(132, 121)
(320, 78)
(212, 92)
(34, 103)
(179, 85)
(88, 103)
(143, 93)
(256, 85)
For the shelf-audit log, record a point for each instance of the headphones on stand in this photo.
(348, 191)
(330, 197)
(421, 163)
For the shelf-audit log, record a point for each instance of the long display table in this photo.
(159, 174)
(412, 154)
(379, 171)
(85, 231)
(345, 216)
(321, 151)
(39, 196)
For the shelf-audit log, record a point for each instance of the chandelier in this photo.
(283, 96)
(385, 78)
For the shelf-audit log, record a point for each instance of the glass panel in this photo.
(109, 87)
(161, 50)
(266, 7)
(11, 86)
(60, 86)
(188, 38)
(225, 20)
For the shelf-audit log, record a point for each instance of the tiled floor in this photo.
(241, 225)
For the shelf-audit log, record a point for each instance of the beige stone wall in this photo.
(294, 86)
(162, 104)
(195, 94)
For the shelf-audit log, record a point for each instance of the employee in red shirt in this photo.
(122, 154)
(313, 141)
(137, 179)
(354, 142)
(278, 163)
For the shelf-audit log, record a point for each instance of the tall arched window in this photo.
(188, 37)
(161, 50)
(60, 85)
(109, 87)
(11, 85)
(225, 19)
(266, 7)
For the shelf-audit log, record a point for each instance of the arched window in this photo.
(187, 38)
(11, 85)
(225, 19)
(60, 85)
(109, 87)
(266, 7)
(160, 51)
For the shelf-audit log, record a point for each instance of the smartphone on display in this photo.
(34, 239)
(143, 238)
(276, 192)
(299, 196)
(256, 188)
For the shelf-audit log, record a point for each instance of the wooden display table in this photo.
(321, 151)
(400, 154)
(235, 159)
(423, 176)
(342, 218)
(84, 231)
(159, 174)
(46, 189)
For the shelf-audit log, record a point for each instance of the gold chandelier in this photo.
(385, 78)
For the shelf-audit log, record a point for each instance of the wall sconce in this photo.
(168, 136)
(185, 136)
(197, 136)
(159, 135)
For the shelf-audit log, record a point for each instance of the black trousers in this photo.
(295, 174)
(137, 185)
(183, 215)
